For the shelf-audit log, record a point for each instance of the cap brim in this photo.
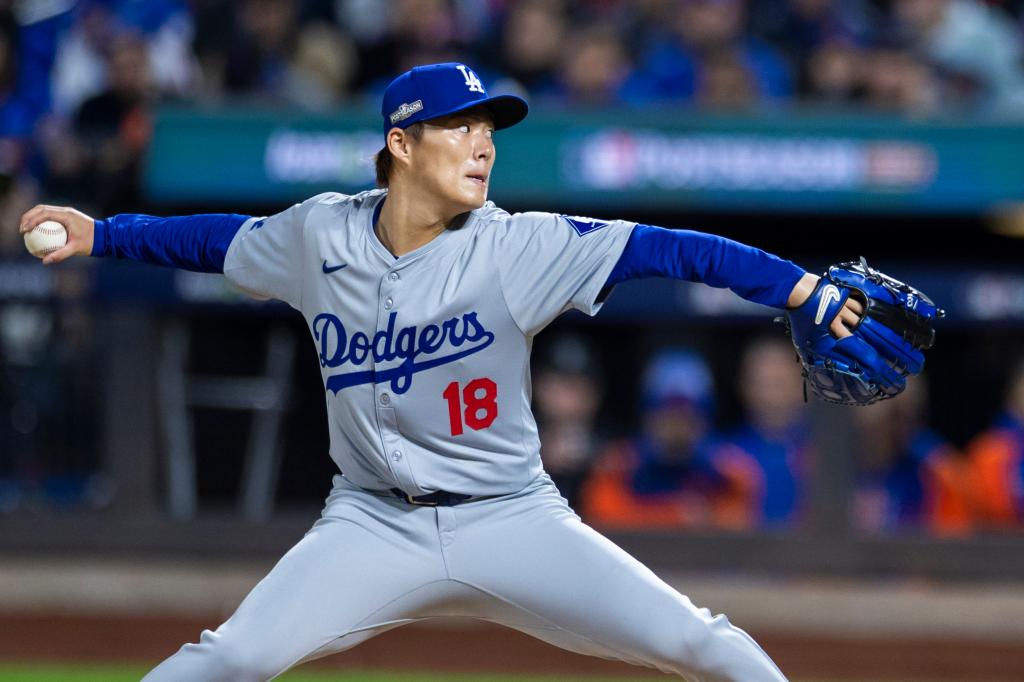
(506, 110)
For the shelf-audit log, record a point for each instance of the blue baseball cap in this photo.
(678, 375)
(427, 92)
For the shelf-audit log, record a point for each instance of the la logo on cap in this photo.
(472, 81)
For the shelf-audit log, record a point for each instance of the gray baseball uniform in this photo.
(425, 362)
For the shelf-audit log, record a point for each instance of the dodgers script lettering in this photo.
(419, 349)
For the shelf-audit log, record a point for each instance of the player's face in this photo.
(453, 159)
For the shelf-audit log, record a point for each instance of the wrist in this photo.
(802, 290)
(99, 238)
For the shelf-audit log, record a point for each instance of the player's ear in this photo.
(398, 143)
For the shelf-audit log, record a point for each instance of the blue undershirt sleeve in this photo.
(698, 257)
(196, 242)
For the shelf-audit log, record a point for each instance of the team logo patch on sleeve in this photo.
(584, 225)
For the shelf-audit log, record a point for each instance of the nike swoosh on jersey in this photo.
(333, 268)
(829, 294)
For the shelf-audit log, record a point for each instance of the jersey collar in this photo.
(389, 259)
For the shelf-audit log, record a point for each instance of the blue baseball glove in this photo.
(886, 344)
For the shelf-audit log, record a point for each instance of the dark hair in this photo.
(383, 160)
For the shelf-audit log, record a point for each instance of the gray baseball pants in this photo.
(373, 562)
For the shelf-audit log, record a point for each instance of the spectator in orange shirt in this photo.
(661, 477)
(997, 462)
(909, 477)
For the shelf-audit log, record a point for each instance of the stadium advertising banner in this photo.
(666, 160)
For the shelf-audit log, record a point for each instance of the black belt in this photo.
(442, 498)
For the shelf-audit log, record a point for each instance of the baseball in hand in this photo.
(47, 237)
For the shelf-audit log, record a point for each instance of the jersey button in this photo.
(388, 303)
(397, 455)
(385, 399)
(393, 276)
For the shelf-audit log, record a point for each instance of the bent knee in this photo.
(712, 650)
(241, 664)
(217, 659)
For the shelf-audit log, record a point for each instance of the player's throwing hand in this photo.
(78, 225)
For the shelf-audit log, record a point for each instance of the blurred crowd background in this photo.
(685, 467)
(78, 79)
(80, 83)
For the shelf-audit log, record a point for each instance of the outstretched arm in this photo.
(698, 257)
(259, 255)
(197, 242)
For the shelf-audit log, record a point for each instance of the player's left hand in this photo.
(842, 324)
(80, 229)
(860, 333)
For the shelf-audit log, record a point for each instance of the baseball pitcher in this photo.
(422, 299)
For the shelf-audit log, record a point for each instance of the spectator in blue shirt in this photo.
(766, 459)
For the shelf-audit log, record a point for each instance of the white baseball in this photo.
(45, 238)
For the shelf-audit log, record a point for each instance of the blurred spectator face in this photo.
(563, 397)
(566, 397)
(325, 61)
(270, 23)
(595, 66)
(678, 394)
(676, 428)
(96, 24)
(566, 405)
(424, 32)
(725, 83)
(921, 16)
(566, 387)
(887, 427)
(128, 65)
(534, 35)
(897, 81)
(836, 71)
(427, 23)
(771, 386)
(708, 24)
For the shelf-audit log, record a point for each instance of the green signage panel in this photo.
(612, 159)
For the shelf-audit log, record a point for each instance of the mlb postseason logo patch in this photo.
(405, 111)
(585, 225)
